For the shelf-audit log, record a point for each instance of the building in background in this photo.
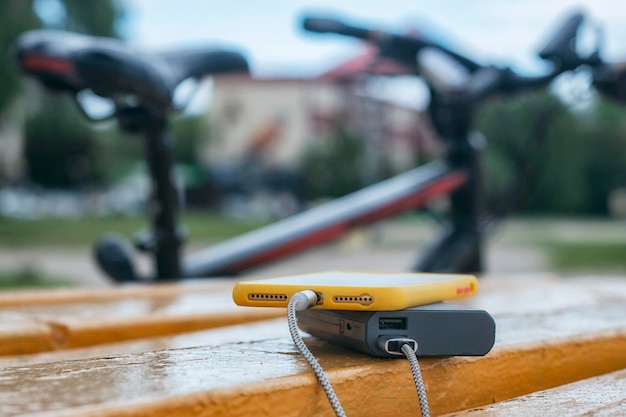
(262, 128)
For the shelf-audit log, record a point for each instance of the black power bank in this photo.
(440, 329)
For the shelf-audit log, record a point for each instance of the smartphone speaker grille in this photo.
(359, 299)
(266, 297)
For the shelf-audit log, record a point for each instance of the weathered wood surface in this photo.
(40, 321)
(601, 396)
(550, 332)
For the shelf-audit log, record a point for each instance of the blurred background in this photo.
(315, 121)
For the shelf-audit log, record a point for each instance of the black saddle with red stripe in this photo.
(73, 62)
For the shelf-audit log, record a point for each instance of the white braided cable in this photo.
(299, 302)
(417, 377)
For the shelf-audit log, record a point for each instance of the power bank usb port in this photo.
(392, 323)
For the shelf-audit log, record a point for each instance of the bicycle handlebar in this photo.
(482, 81)
(400, 47)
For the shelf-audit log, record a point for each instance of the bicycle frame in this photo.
(458, 249)
(322, 224)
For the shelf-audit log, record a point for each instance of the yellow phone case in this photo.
(346, 290)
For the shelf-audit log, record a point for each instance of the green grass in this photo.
(29, 279)
(607, 256)
(201, 228)
(583, 245)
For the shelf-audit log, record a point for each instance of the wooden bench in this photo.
(602, 395)
(186, 350)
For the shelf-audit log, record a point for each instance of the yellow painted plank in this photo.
(71, 324)
(575, 330)
(45, 297)
(599, 396)
(20, 335)
(238, 333)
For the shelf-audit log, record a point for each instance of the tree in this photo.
(332, 168)
(60, 149)
(95, 17)
(536, 147)
(605, 141)
(17, 16)
(189, 133)
(569, 161)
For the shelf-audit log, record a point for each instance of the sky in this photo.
(504, 32)
(269, 33)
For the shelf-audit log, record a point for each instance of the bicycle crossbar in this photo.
(326, 222)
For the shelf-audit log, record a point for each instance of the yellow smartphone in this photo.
(347, 290)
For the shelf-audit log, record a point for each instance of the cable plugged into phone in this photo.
(300, 301)
(304, 299)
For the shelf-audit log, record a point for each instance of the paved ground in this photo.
(392, 247)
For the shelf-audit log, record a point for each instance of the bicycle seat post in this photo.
(166, 238)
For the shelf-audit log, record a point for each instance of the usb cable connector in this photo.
(393, 344)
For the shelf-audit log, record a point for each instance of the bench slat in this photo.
(239, 333)
(600, 396)
(60, 296)
(70, 324)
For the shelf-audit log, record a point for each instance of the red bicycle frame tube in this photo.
(324, 223)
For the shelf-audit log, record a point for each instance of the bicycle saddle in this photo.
(72, 62)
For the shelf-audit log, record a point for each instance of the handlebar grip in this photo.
(327, 25)
(561, 47)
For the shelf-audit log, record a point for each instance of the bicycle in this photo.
(142, 86)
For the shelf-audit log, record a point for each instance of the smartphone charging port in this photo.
(392, 323)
